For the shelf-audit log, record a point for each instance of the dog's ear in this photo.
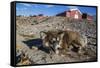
(43, 34)
(61, 34)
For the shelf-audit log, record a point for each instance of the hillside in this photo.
(28, 29)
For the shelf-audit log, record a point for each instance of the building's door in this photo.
(76, 15)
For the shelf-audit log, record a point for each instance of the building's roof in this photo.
(61, 12)
(75, 10)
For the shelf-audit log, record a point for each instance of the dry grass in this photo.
(30, 36)
(24, 62)
(18, 47)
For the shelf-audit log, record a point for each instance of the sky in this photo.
(27, 9)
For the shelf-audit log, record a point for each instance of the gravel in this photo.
(26, 27)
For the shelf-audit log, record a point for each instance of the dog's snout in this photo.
(54, 41)
(59, 48)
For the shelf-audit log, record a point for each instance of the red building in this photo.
(89, 18)
(74, 14)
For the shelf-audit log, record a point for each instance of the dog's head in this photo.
(51, 38)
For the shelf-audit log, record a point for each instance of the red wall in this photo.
(72, 14)
(90, 18)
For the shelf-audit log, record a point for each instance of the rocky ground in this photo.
(28, 46)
